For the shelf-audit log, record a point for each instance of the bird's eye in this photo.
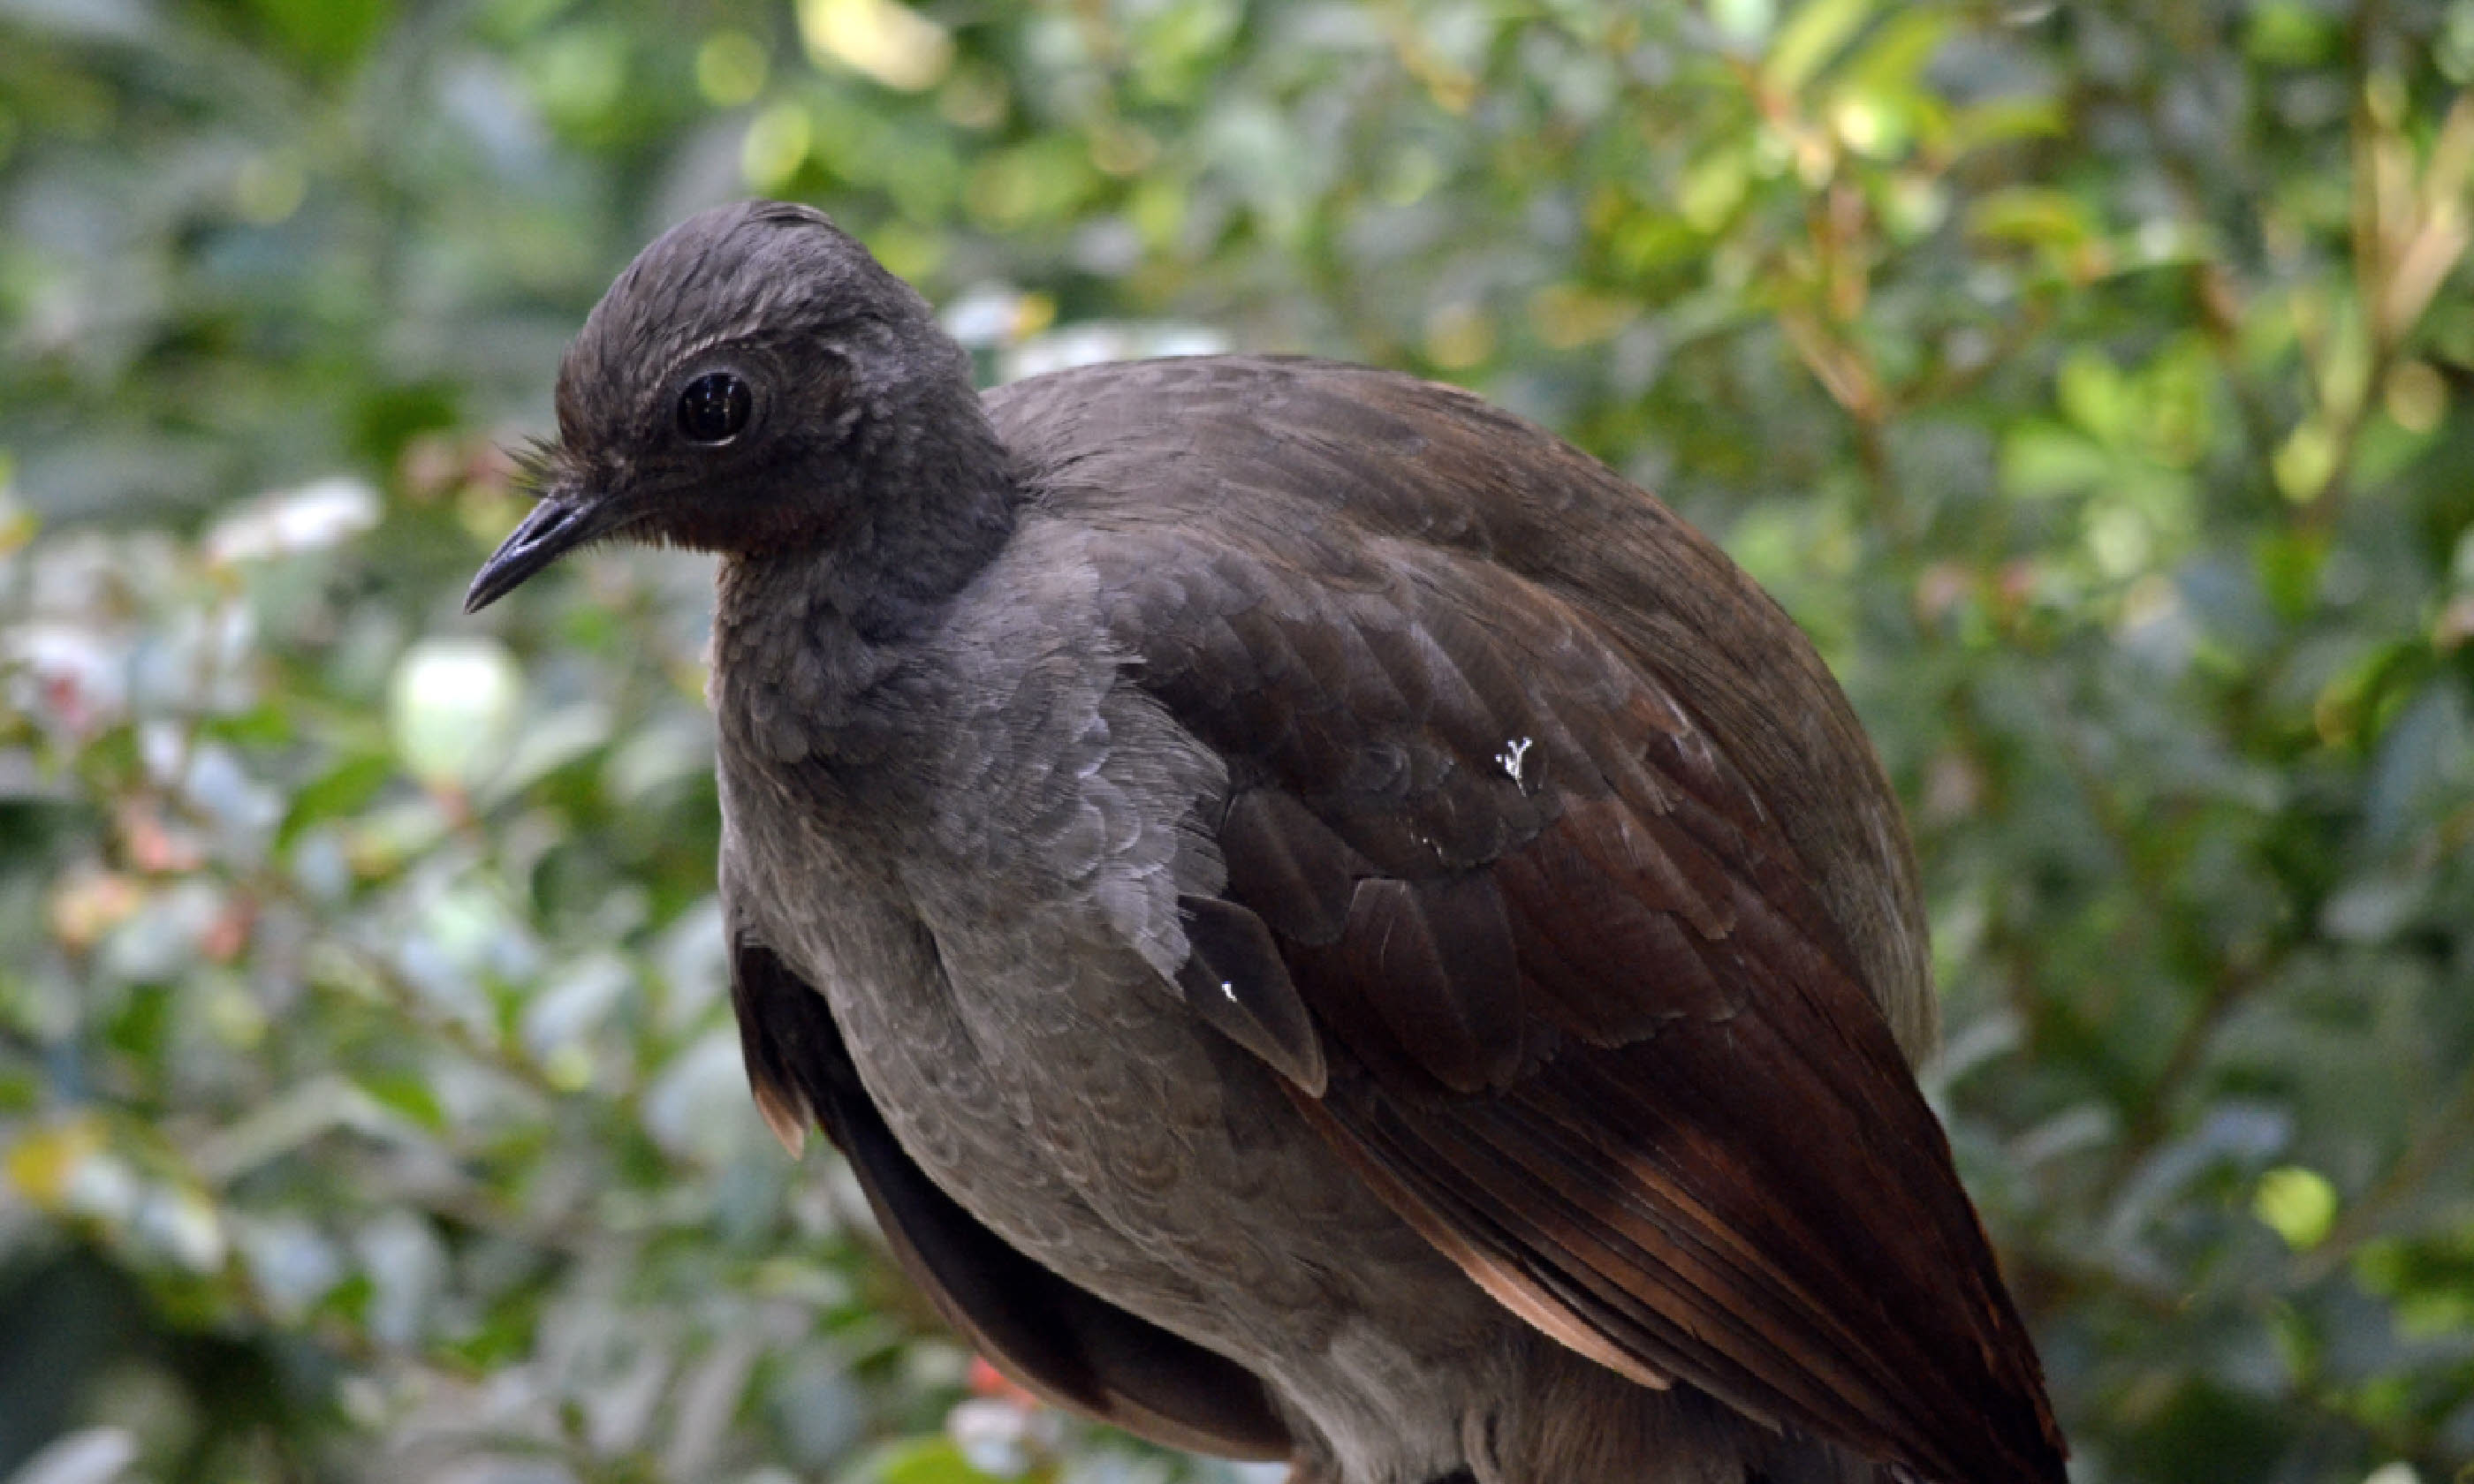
(713, 408)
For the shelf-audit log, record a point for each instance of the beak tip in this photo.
(489, 586)
(554, 528)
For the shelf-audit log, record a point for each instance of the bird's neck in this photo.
(806, 636)
(795, 676)
(942, 503)
(889, 548)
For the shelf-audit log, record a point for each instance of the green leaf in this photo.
(1892, 60)
(2288, 33)
(329, 34)
(2032, 214)
(2299, 1204)
(2096, 396)
(408, 1091)
(2042, 460)
(2002, 121)
(1814, 34)
(922, 1461)
(344, 789)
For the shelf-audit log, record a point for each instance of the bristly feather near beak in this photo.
(536, 462)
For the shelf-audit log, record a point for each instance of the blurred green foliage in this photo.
(2091, 379)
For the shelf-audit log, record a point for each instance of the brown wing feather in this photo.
(1593, 1024)
(1054, 1339)
(1633, 1093)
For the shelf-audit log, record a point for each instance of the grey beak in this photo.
(557, 525)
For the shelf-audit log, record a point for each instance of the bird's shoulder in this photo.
(1291, 436)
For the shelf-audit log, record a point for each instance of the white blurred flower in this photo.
(284, 521)
(92, 1456)
(451, 706)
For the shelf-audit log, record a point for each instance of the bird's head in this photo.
(747, 386)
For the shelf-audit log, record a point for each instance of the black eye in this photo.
(713, 408)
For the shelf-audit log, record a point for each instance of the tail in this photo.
(1577, 1423)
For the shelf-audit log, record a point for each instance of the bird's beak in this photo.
(559, 524)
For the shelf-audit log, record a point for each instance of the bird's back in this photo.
(1266, 452)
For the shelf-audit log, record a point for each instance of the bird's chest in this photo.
(991, 937)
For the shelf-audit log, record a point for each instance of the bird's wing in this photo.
(1335, 469)
(1542, 965)
(1050, 1336)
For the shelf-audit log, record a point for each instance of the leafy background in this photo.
(2091, 379)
